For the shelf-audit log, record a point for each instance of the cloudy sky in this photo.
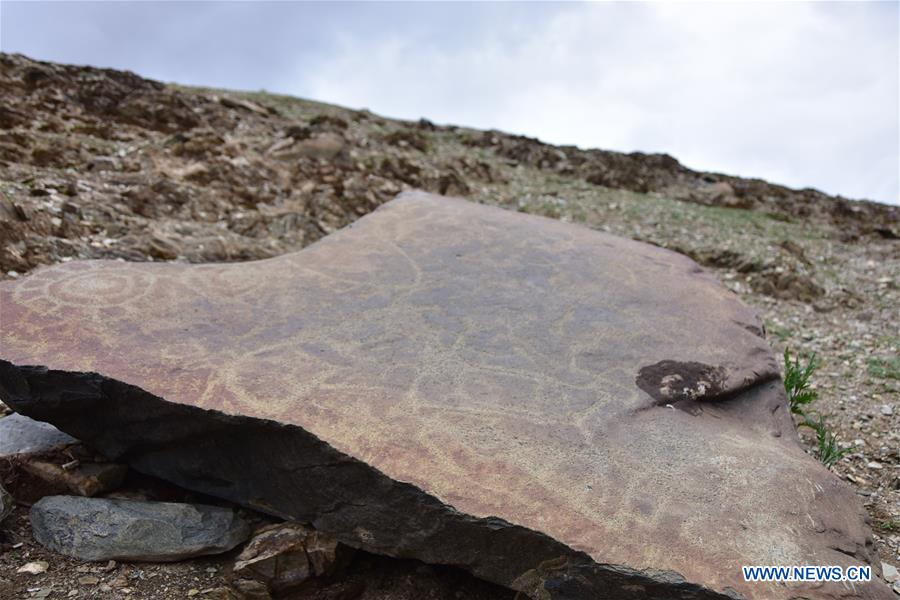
(800, 94)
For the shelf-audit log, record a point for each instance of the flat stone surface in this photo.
(20, 435)
(564, 412)
(103, 529)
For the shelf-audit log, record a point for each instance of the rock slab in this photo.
(100, 529)
(567, 413)
(20, 435)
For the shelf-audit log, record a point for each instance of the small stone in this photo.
(163, 248)
(247, 589)
(223, 593)
(243, 104)
(325, 146)
(72, 593)
(284, 555)
(6, 503)
(887, 410)
(88, 479)
(193, 592)
(20, 435)
(104, 163)
(280, 145)
(89, 580)
(34, 568)
(874, 464)
(101, 529)
(889, 572)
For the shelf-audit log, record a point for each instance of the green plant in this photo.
(544, 208)
(884, 368)
(797, 382)
(798, 385)
(827, 449)
(782, 333)
(890, 525)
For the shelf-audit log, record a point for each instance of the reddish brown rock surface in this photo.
(570, 414)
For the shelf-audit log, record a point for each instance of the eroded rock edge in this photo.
(285, 471)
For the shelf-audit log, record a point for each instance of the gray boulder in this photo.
(104, 529)
(20, 435)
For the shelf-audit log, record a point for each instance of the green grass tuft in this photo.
(884, 368)
(797, 382)
(890, 525)
(782, 333)
(827, 449)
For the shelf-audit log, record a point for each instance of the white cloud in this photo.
(802, 94)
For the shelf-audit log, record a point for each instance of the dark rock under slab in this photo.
(563, 412)
(100, 529)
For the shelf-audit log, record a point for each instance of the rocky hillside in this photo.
(99, 163)
(103, 163)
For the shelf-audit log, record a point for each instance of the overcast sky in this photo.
(796, 93)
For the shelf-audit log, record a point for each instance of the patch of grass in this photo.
(779, 217)
(797, 382)
(546, 206)
(890, 525)
(782, 333)
(884, 368)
